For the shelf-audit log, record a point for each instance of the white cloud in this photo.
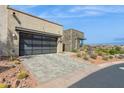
(107, 9)
(93, 13)
(68, 13)
(75, 11)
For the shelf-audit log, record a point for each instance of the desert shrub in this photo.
(118, 48)
(74, 50)
(111, 57)
(121, 52)
(17, 62)
(105, 58)
(78, 55)
(3, 85)
(85, 48)
(86, 58)
(113, 51)
(100, 53)
(22, 75)
(12, 58)
(93, 56)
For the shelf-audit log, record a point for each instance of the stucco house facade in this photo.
(72, 39)
(24, 34)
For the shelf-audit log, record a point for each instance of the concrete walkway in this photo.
(50, 67)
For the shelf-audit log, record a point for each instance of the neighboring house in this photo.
(72, 39)
(24, 34)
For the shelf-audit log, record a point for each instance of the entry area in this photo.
(33, 43)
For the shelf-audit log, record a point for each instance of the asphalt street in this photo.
(110, 77)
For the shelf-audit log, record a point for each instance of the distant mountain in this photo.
(112, 43)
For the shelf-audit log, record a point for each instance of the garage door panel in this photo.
(27, 52)
(53, 51)
(37, 44)
(37, 48)
(36, 51)
(26, 47)
(46, 51)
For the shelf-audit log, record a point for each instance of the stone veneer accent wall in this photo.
(71, 40)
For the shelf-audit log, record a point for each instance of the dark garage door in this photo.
(31, 44)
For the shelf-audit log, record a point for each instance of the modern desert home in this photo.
(72, 39)
(24, 34)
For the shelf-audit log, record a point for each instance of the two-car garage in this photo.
(25, 34)
(32, 44)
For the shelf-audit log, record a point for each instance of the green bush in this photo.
(113, 51)
(101, 51)
(3, 85)
(22, 75)
(116, 50)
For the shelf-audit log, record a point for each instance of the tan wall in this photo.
(3, 31)
(30, 22)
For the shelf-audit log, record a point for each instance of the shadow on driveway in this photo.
(110, 77)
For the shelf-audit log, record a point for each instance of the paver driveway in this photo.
(49, 66)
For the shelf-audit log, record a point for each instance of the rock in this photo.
(24, 79)
(9, 86)
(19, 86)
(120, 56)
(2, 80)
(12, 75)
(8, 82)
(11, 65)
(16, 83)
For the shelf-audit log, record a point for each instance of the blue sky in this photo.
(101, 24)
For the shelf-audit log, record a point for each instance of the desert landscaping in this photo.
(14, 75)
(100, 53)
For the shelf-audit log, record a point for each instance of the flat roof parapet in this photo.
(34, 16)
